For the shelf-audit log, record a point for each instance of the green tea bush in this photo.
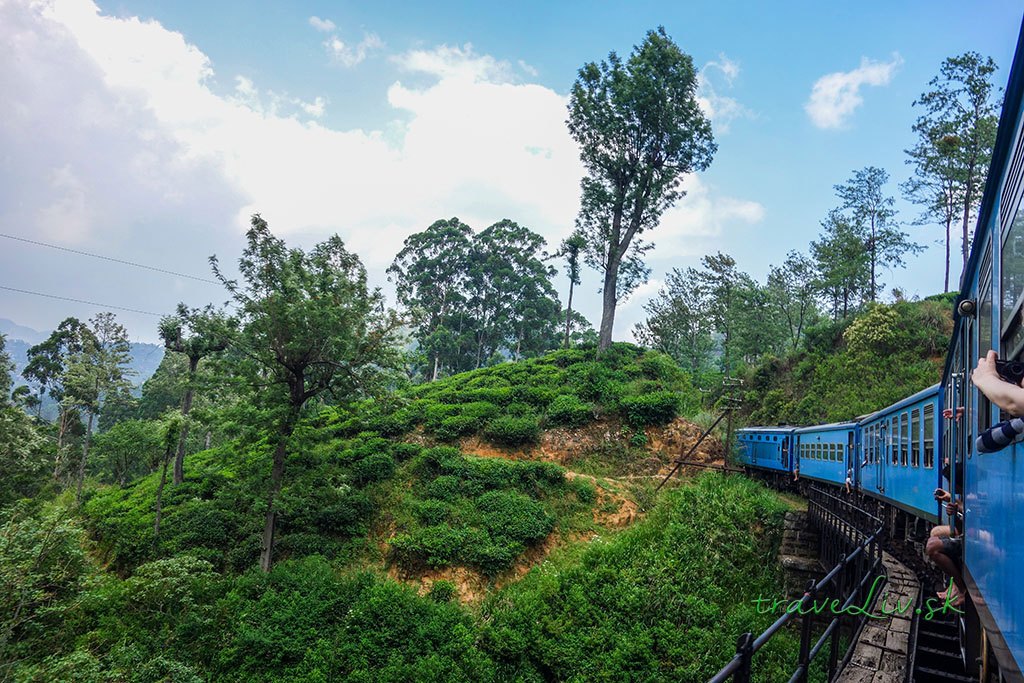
(650, 409)
(569, 411)
(442, 591)
(455, 426)
(373, 468)
(513, 431)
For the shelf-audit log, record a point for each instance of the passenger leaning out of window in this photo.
(1008, 396)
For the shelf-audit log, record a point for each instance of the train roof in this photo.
(827, 427)
(780, 428)
(924, 393)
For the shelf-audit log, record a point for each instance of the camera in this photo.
(1010, 370)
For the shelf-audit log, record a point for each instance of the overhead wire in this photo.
(108, 258)
(79, 301)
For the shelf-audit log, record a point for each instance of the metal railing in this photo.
(852, 538)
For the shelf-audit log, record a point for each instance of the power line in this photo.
(108, 258)
(79, 301)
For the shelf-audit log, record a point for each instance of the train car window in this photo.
(985, 330)
(904, 439)
(1012, 281)
(929, 436)
(915, 438)
(894, 440)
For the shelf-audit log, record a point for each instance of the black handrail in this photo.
(842, 524)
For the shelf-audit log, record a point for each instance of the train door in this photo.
(784, 454)
(851, 456)
(882, 453)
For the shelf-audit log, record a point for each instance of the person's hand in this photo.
(951, 508)
(942, 495)
(986, 369)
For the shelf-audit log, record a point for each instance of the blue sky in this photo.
(149, 131)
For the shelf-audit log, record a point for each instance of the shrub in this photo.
(513, 431)
(405, 451)
(374, 468)
(442, 591)
(395, 424)
(570, 411)
(433, 546)
(657, 408)
(444, 487)
(479, 410)
(453, 427)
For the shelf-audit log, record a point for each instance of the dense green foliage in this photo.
(649, 603)
(854, 367)
(510, 403)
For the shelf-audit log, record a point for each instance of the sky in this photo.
(150, 132)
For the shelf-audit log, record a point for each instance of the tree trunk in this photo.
(186, 407)
(160, 496)
(85, 458)
(945, 286)
(874, 250)
(964, 246)
(608, 302)
(568, 314)
(437, 360)
(206, 443)
(276, 477)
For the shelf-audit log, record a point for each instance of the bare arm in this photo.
(1007, 396)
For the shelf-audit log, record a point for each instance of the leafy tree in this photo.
(430, 278)
(956, 136)
(640, 130)
(871, 213)
(720, 283)
(99, 371)
(570, 251)
(841, 263)
(196, 334)
(510, 299)
(6, 368)
(309, 326)
(48, 365)
(164, 389)
(127, 450)
(793, 292)
(42, 569)
(678, 321)
(167, 437)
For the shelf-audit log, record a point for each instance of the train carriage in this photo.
(826, 452)
(990, 315)
(900, 456)
(767, 448)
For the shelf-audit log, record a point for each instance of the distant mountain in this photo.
(145, 357)
(15, 331)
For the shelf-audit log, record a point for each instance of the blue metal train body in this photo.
(900, 458)
(825, 452)
(898, 455)
(769, 448)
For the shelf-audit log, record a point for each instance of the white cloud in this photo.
(457, 63)
(322, 25)
(720, 109)
(835, 96)
(350, 55)
(114, 135)
(702, 214)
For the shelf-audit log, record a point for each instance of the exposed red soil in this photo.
(612, 509)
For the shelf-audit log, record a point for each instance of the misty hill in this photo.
(145, 357)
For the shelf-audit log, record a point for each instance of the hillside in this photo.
(853, 367)
(495, 525)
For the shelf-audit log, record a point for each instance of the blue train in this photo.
(900, 454)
